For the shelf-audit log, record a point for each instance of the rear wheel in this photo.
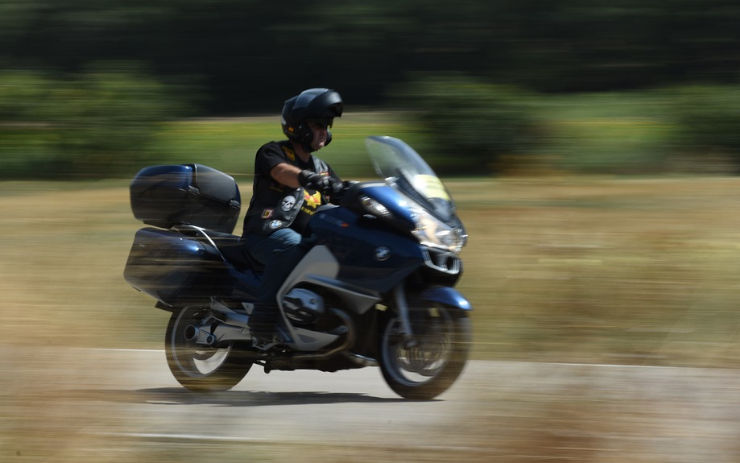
(199, 367)
(427, 364)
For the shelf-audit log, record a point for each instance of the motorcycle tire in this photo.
(199, 367)
(426, 365)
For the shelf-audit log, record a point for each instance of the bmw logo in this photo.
(382, 254)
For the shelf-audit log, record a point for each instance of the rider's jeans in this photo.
(279, 252)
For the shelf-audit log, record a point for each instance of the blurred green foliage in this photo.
(608, 133)
(470, 124)
(110, 124)
(707, 119)
(684, 129)
(600, 86)
(97, 123)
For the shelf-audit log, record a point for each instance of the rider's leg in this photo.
(279, 252)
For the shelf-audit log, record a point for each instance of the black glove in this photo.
(325, 184)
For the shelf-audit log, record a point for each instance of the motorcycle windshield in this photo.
(403, 169)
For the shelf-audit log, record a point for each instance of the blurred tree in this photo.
(251, 54)
(472, 125)
(707, 122)
(98, 123)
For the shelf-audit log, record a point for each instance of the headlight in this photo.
(431, 231)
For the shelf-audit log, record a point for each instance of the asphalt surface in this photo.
(497, 411)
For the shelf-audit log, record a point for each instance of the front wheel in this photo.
(199, 367)
(427, 364)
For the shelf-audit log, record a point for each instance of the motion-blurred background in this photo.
(592, 148)
(92, 89)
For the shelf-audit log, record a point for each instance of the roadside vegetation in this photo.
(101, 123)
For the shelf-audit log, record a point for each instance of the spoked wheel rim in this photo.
(419, 360)
(193, 359)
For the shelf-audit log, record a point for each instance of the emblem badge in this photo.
(275, 224)
(267, 213)
(312, 201)
(382, 254)
(287, 203)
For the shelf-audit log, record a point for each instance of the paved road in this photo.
(124, 405)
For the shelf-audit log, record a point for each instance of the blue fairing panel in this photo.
(445, 295)
(355, 242)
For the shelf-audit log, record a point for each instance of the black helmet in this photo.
(317, 104)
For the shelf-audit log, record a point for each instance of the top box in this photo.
(186, 194)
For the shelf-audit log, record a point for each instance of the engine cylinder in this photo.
(303, 306)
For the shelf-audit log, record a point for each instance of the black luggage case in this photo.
(175, 269)
(186, 194)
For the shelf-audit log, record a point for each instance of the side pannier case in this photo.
(192, 194)
(175, 269)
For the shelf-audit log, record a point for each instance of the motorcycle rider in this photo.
(289, 185)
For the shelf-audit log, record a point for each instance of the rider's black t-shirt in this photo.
(274, 205)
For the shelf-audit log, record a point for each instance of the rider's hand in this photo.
(325, 184)
(340, 190)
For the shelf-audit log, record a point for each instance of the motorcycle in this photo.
(376, 287)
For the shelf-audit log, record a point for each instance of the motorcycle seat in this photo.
(229, 245)
(234, 251)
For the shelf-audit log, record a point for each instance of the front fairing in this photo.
(387, 230)
(408, 174)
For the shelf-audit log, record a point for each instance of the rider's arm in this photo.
(286, 174)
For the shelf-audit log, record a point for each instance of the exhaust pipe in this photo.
(194, 334)
(361, 360)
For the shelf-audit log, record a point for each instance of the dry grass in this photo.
(582, 269)
(564, 269)
(604, 270)
(63, 253)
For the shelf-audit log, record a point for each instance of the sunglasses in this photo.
(321, 123)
